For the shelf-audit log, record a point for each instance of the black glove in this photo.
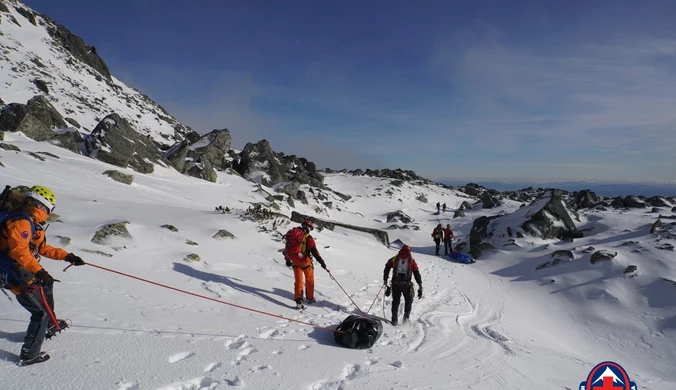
(74, 260)
(323, 264)
(44, 278)
(420, 289)
(288, 263)
(388, 291)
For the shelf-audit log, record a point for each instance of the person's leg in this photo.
(35, 334)
(297, 284)
(408, 303)
(309, 283)
(396, 299)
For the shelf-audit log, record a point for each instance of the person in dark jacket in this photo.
(404, 269)
(437, 235)
(448, 240)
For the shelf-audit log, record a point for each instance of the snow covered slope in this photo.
(496, 324)
(31, 56)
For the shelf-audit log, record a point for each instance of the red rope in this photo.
(341, 287)
(212, 299)
(374, 299)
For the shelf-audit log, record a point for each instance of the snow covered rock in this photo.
(115, 142)
(258, 163)
(585, 199)
(551, 220)
(631, 201)
(201, 156)
(330, 225)
(489, 201)
(37, 120)
(399, 216)
(602, 255)
(119, 176)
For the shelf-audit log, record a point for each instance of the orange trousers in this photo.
(309, 274)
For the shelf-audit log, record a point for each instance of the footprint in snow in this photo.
(397, 364)
(212, 366)
(260, 368)
(372, 361)
(268, 333)
(127, 386)
(235, 344)
(237, 382)
(277, 353)
(304, 347)
(179, 356)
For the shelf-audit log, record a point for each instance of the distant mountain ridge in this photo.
(601, 189)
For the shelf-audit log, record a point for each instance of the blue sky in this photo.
(476, 90)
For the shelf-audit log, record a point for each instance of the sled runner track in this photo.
(490, 349)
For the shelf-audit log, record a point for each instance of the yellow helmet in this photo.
(43, 195)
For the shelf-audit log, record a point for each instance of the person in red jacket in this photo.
(437, 235)
(448, 240)
(300, 248)
(404, 268)
(22, 242)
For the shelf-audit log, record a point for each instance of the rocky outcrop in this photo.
(70, 139)
(632, 202)
(399, 216)
(201, 156)
(459, 213)
(120, 177)
(330, 225)
(479, 233)
(115, 142)
(37, 120)
(585, 199)
(290, 189)
(602, 255)
(259, 164)
(79, 49)
(656, 201)
(552, 220)
(489, 201)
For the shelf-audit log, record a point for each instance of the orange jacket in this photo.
(17, 241)
(448, 233)
(437, 233)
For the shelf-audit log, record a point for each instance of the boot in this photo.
(39, 358)
(406, 318)
(52, 331)
(394, 320)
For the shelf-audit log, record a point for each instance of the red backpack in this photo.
(295, 244)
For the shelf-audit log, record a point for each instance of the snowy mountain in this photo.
(40, 57)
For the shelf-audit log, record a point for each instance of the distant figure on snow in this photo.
(443, 207)
(298, 252)
(403, 268)
(438, 207)
(448, 240)
(22, 242)
(437, 234)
